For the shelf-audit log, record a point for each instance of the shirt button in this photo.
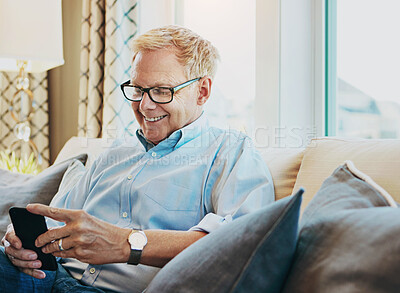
(154, 154)
(124, 214)
(129, 177)
(92, 270)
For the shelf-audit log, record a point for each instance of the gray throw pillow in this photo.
(21, 189)
(349, 239)
(251, 254)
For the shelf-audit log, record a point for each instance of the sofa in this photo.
(333, 227)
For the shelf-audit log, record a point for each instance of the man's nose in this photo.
(146, 102)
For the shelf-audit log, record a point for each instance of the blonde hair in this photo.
(196, 54)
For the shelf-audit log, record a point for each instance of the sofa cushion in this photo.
(379, 158)
(251, 254)
(21, 189)
(75, 171)
(91, 146)
(348, 238)
(284, 164)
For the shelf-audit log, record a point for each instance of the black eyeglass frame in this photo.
(173, 90)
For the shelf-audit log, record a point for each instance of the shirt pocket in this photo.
(172, 197)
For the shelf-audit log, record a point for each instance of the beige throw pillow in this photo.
(284, 164)
(379, 158)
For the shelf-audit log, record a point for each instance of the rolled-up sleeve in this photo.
(239, 183)
(211, 222)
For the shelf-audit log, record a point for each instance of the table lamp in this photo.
(30, 41)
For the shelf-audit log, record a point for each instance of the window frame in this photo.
(330, 67)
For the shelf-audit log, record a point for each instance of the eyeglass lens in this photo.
(160, 95)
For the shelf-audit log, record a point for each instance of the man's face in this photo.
(162, 68)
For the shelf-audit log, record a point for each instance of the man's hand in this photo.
(24, 259)
(84, 237)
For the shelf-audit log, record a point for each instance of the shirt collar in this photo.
(143, 140)
(193, 130)
(178, 137)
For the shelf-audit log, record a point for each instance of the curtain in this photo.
(107, 29)
(39, 123)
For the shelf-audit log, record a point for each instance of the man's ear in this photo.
(204, 90)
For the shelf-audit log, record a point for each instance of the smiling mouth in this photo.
(154, 119)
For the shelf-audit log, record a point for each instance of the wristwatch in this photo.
(137, 240)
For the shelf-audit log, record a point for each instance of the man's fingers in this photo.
(22, 254)
(5, 242)
(65, 254)
(11, 238)
(46, 239)
(23, 264)
(25, 260)
(80, 254)
(38, 274)
(56, 246)
(62, 215)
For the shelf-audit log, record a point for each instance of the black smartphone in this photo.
(28, 227)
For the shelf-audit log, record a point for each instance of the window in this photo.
(363, 68)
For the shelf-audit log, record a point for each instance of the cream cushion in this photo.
(78, 145)
(283, 163)
(378, 158)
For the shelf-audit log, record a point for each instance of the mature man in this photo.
(143, 202)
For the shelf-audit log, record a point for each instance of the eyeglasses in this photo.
(160, 95)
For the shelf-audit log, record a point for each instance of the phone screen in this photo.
(28, 227)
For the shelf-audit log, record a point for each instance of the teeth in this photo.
(154, 118)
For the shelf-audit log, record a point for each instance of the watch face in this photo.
(137, 240)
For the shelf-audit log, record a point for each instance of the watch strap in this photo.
(134, 257)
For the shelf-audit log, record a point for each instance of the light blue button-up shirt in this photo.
(199, 178)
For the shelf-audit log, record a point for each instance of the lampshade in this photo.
(30, 31)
